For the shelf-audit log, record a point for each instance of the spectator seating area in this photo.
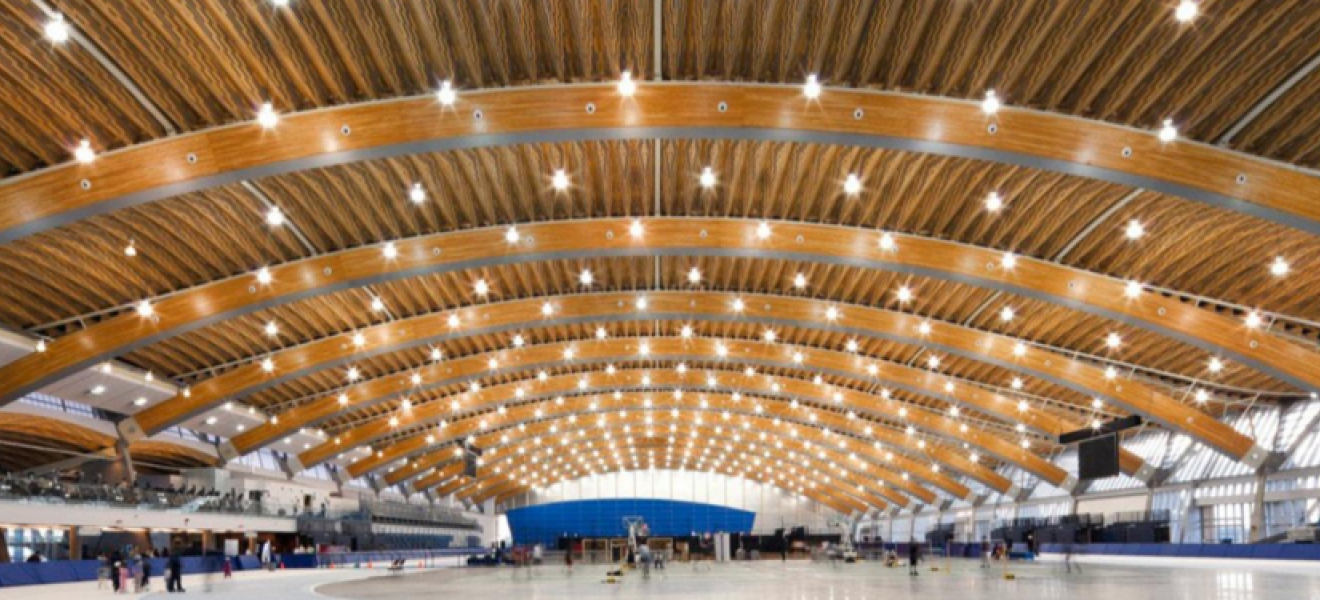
(33, 488)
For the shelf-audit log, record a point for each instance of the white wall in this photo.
(36, 514)
(774, 508)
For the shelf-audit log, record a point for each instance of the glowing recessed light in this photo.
(994, 202)
(97, 390)
(417, 194)
(800, 281)
(1216, 364)
(635, 228)
(141, 401)
(547, 309)
(1019, 349)
(641, 303)
(272, 329)
(851, 345)
(707, 177)
(512, 236)
(57, 30)
(924, 328)
(1279, 267)
(811, 89)
(446, 95)
(267, 117)
(1168, 132)
(41, 346)
(763, 230)
(1016, 383)
(268, 365)
(852, 184)
(1201, 396)
(694, 276)
(769, 335)
(626, 86)
(585, 277)
(601, 333)
(1006, 314)
(904, 294)
(831, 314)
(354, 374)
(1134, 230)
(518, 340)
(343, 399)
(1254, 319)
(888, 243)
(1111, 373)
(559, 180)
(390, 251)
(990, 105)
(1186, 11)
(84, 152)
(131, 249)
(145, 309)
(1113, 340)
(933, 361)
(274, 216)
(1132, 289)
(377, 305)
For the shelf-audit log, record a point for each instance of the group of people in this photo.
(135, 572)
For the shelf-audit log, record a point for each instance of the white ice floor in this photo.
(1101, 579)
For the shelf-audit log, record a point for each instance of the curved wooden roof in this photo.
(1045, 300)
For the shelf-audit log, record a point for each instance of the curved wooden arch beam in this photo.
(772, 310)
(480, 428)
(856, 488)
(815, 460)
(529, 115)
(1046, 281)
(661, 382)
(720, 237)
(779, 356)
(495, 457)
(773, 404)
(890, 461)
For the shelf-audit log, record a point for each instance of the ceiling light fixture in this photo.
(990, 105)
(559, 180)
(446, 95)
(57, 30)
(707, 177)
(811, 89)
(627, 87)
(852, 185)
(1168, 132)
(84, 153)
(1186, 11)
(274, 216)
(417, 194)
(267, 117)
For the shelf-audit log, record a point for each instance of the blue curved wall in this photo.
(546, 523)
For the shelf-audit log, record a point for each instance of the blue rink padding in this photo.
(68, 571)
(1231, 551)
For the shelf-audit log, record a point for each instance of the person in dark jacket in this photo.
(914, 556)
(116, 561)
(174, 577)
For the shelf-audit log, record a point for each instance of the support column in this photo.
(130, 475)
(208, 540)
(1188, 507)
(75, 545)
(1257, 530)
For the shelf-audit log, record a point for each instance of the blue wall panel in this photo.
(546, 523)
